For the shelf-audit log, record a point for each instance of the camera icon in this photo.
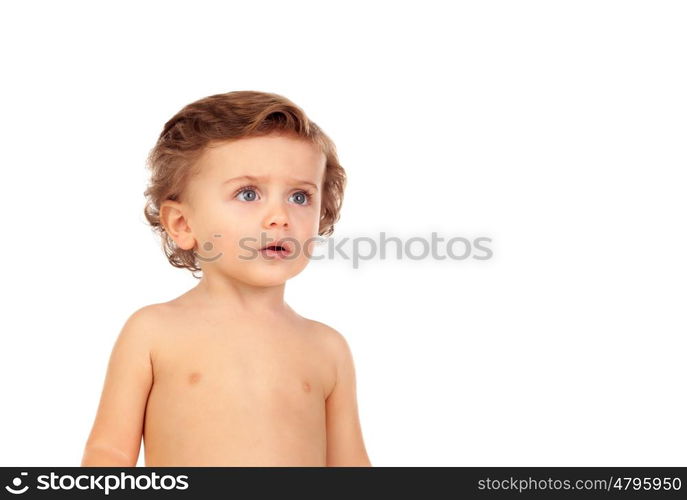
(16, 482)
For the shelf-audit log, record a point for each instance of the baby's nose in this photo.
(277, 218)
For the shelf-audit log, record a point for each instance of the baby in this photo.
(227, 374)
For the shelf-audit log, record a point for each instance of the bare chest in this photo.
(242, 387)
(249, 362)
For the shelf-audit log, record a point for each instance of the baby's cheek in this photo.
(243, 248)
(309, 247)
(210, 244)
(235, 244)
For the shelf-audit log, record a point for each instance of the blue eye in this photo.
(302, 195)
(249, 190)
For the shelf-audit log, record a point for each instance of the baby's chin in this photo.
(265, 275)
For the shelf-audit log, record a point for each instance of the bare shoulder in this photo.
(334, 342)
(330, 336)
(145, 320)
(144, 324)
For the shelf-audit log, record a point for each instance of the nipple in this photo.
(193, 378)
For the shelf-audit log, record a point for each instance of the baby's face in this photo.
(232, 217)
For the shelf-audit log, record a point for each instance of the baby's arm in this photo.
(115, 439)
(345, 446)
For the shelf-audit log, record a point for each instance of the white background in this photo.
(555, 128)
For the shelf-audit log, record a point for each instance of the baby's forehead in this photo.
(268, 158)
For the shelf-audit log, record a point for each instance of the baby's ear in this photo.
(173, 217)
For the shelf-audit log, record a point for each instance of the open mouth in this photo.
(276, 250)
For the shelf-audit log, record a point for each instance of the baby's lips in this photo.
(284, 244)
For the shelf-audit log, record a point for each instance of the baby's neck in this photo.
(233, 296)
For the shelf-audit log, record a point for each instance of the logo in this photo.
(16, 482)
